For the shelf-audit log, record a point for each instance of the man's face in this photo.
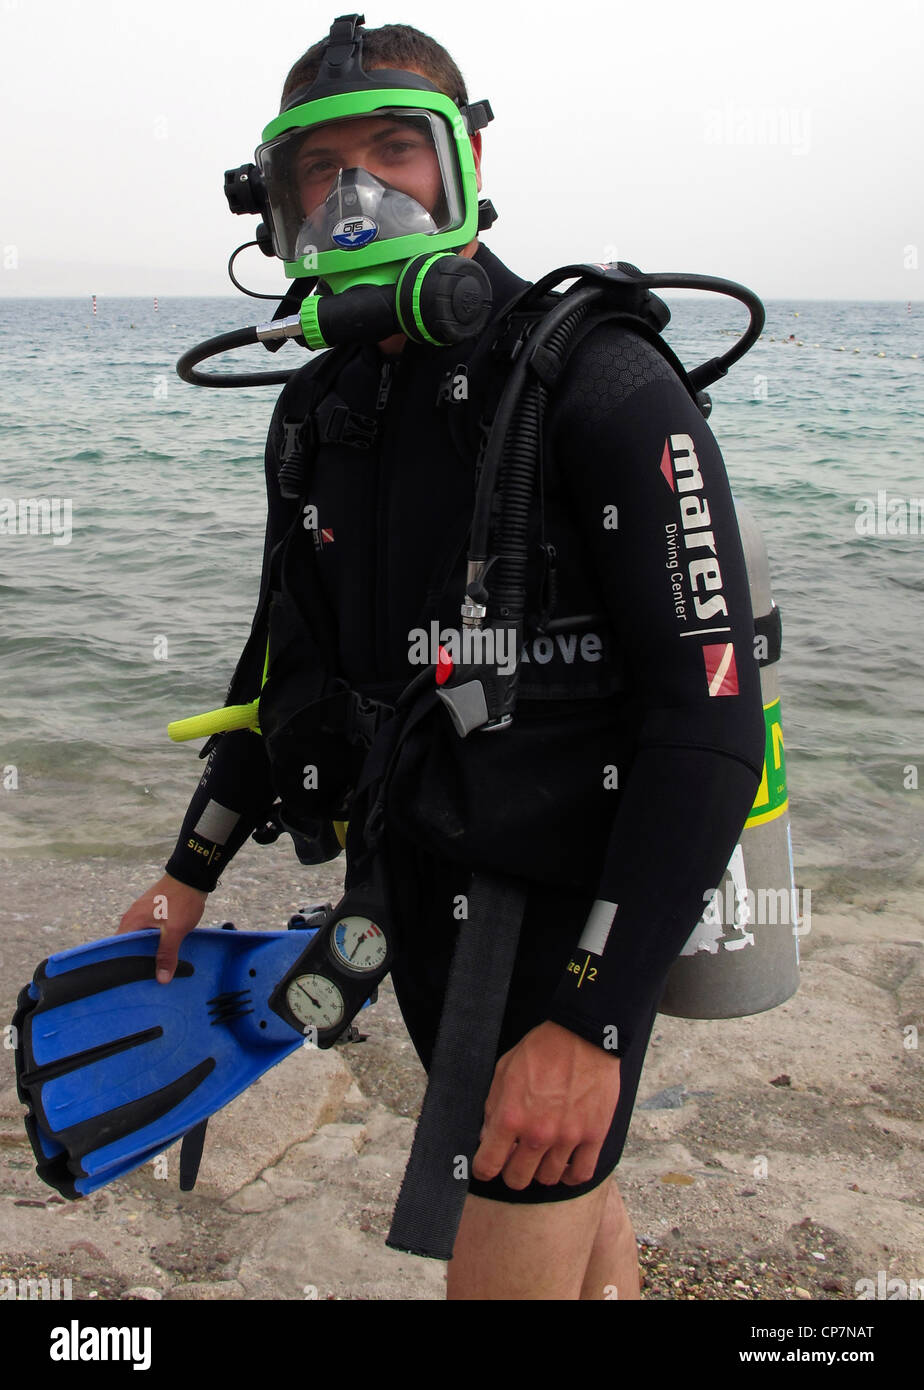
(398, 152)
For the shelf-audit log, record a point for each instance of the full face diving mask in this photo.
(368, 180)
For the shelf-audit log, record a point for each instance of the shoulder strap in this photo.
(295, 457)
(487, 370)
(645, 329)
(292, 478)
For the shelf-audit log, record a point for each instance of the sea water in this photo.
(129, 604)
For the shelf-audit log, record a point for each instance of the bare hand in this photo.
(174, 908)
(549, 1110)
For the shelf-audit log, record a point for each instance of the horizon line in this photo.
(691, 294)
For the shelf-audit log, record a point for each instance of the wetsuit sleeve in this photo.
(647, 486)
(233, 797)
(235, 792)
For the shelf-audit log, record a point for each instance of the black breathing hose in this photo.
(225, 342)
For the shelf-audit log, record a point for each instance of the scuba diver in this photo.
(596, 751)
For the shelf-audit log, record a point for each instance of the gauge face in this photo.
(359, 943)
(315, 1001)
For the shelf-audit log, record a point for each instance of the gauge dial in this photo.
(359, 943)
(315, 1001)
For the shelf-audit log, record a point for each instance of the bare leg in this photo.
(612, 1270)
(525, 1251)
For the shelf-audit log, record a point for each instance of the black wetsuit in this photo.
(622, 786)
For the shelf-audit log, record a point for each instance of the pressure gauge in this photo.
(359, 944)
(315, 1001)
(336, 974)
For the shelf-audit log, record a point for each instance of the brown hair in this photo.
(391, 46)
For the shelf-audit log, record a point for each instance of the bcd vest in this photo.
(318, 721)
(319, 714)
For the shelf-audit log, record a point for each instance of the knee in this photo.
(616, 1217)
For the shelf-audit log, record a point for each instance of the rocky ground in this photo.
(771, 1157)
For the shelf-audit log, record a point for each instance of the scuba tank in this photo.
(742, 957)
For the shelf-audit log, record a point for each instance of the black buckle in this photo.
(268, 833)
(364, 718)
(476, 115)
(447, 386)
(337, 424)
(487, 215)
(343, 40)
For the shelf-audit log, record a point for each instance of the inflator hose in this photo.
(522, 456)
(506, 411)
(717, 367)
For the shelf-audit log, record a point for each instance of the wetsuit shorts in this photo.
(425, 889)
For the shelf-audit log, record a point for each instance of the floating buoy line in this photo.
(825, 347)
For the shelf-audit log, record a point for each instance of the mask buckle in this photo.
(342, 57)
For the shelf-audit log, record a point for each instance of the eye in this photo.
(397, 149)
(311, 170)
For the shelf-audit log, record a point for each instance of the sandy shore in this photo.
(777, 1156)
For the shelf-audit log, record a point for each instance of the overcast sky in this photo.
(780, 144)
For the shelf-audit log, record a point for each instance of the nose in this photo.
(345, 185)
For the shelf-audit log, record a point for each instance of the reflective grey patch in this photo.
(597, 927)
(216, 823)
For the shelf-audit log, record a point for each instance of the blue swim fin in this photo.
(115, 1067)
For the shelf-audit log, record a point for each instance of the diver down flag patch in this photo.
(598, 927)
(721, 671)
(666, 469)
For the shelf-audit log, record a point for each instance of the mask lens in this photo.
(347, 183)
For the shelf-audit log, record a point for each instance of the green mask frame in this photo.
(381, 263)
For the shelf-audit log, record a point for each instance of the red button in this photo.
(444, 666)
